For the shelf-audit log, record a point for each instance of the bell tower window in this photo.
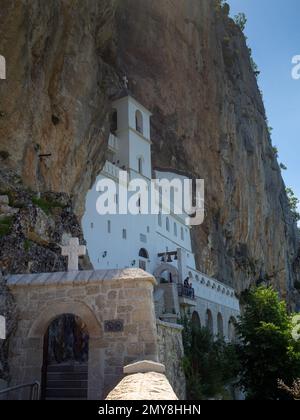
(114, 121)
(139, 122)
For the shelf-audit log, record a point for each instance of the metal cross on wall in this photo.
(73, 251)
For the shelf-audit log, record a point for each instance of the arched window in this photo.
(182, 234)
(209, 321)
(143, 253)
(108, 226)
(114, 121)
(159, 219)
(175, 228)
(139, 122)
(220, 325)
(168, 224)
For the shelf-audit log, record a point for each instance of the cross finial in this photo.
(126, 81)
(73, 251)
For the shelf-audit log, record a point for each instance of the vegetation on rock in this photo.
(294, 202)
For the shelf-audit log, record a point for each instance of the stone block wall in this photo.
(97, 297)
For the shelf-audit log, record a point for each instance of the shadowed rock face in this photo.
(55, 99)
(189, 64)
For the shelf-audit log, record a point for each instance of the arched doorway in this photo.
(143, 259)
(166, 273)
(209, 321)
(65, 359)
(220, 325)
(196, 320)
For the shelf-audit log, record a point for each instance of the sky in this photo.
(273, 31)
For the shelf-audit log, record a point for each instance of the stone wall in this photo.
(170, 353)
(96, 297)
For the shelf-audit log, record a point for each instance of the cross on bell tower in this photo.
(73, 251)
(125, 81)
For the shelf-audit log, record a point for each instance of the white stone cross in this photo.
(73, 251)
(126, 81)
(2, 328)
(2, 68)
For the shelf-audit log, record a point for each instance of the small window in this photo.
(140, 165)
(124, 234)
(175, 229)
(139, 121)
(92, 225)
(143, 238)
(114, 121)
(148, 229)
(159, 219)
(168, 224)
(109, 226)
(182, 234)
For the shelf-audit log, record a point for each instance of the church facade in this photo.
(157, 243)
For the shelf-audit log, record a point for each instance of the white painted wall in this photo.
(108, 249)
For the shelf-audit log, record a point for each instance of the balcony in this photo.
(111, 170)
(113, 143)
(186, 295)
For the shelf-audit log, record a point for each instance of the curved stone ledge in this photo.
(79, 277)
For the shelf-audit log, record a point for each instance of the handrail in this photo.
(188, 292)
(34, 390)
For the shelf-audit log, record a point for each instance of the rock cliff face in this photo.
(189, 63)
(54, 103)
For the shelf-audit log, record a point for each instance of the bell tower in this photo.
(130, 124)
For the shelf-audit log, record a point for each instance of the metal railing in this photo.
(184, 291)
(34, 394)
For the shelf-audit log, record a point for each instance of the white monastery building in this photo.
(158, 243)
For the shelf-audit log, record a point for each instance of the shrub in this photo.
(209, 364)
(241, 21)
(267, 350)
(5, 226)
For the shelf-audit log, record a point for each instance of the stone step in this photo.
(62, 393)
(78, 384)
(67, 368)
(67, 376)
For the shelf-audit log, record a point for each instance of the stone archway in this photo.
(103, 300)
(51, 312)
(196, 322)
(231, 329)
(165, 267)
(220, 324)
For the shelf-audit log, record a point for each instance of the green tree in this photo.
(209, 364)
(267, 350)
(294, 202)
(241, 20)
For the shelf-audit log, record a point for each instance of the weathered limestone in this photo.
(97, 297)
(170, 354)
(143, 386)
(144, 366)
